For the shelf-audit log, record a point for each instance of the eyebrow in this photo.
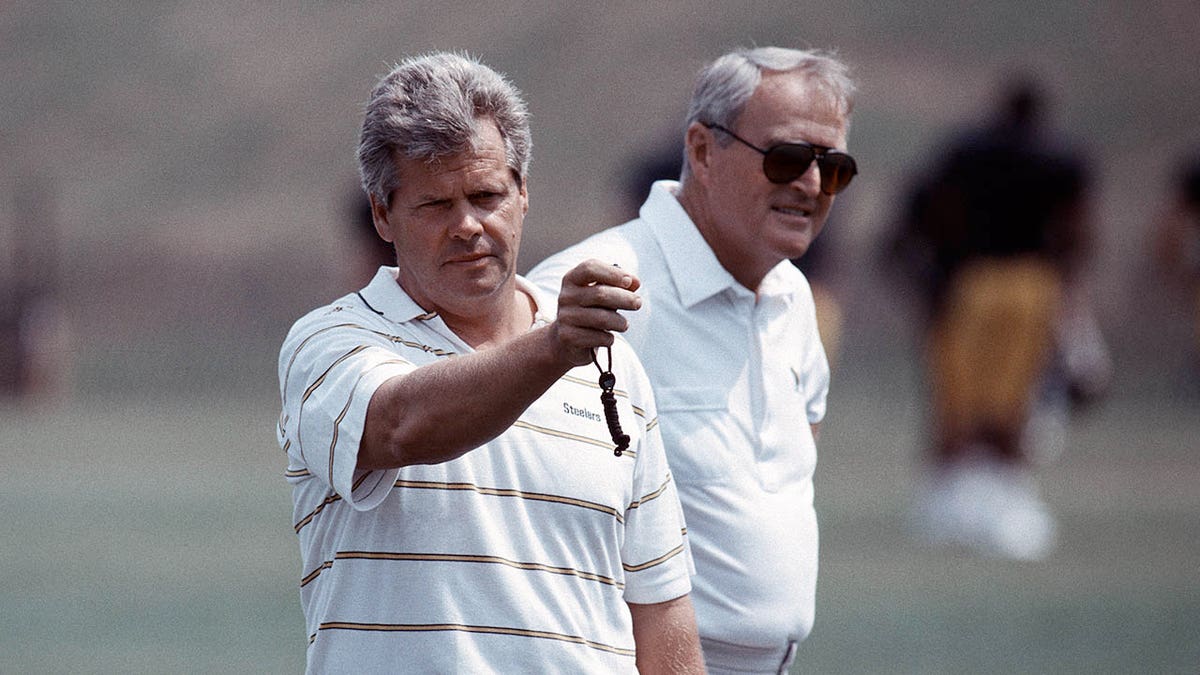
(427, 197)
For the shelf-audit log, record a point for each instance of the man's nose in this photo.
(810, 180)
(466, 223)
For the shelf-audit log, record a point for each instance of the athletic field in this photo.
(191, 162)
(153, 534)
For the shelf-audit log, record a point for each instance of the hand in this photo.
(591, 294)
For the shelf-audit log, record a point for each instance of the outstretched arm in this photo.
(665, 636)
(441, 411)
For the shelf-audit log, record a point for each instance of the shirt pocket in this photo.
(787, 449)
(702, 438)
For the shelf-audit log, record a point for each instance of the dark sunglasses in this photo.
(786, 162)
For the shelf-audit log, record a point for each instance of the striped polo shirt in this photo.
(518, 556)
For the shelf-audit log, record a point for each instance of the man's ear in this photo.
(521, 185)
(699, 142)
(379, 214)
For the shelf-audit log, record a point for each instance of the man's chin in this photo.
(478, 284)
(795, 248)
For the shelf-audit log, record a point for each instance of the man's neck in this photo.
(745, 271)
(488, 329)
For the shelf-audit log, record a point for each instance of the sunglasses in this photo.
(786, 162)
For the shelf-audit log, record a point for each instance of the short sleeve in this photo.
(328, 375)
(814, 363)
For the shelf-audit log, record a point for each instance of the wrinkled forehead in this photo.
(818, 95)
(794, 101)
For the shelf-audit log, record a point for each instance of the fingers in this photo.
(595, 284)
(593, 271)
(588, 304)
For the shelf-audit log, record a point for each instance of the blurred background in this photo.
(177, 185)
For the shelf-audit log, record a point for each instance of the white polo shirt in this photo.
(518, 556)
(738, 380)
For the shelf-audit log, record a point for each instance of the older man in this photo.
(729, 338)
(457, 498)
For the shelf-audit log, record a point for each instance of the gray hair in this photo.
(724, 86)
(429, 107)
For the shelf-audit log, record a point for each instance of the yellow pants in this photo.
(990, 345)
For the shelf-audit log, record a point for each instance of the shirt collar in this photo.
(782, 281)
(385, 296)
(694, 268)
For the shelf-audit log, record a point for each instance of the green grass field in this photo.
(155, 536)
(190, 161)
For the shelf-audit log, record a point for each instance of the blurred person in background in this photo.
(367, 251)
(996, 235)
(729, 336)
(457, 500)
(35, 334)
(820, 266)
(664, 162)
(1177, 246)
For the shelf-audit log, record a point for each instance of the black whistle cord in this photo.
(609, 400)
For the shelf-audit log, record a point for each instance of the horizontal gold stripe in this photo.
(563, 434)
(607, 445)
(502, 492)
(470, 487)
(321, 507)
(493, 630)
(315, 573)
(486, 559)
(354, 326)
(328, 500)
(653, 495)
(657, 561)
(594, 384)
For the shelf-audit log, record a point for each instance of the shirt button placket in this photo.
(768, 443)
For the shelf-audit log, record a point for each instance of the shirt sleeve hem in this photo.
(661, 592)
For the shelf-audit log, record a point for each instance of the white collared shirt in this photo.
(738, 380)
(521, 554)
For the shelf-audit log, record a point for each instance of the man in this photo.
(457, 498)
(728, 334)
(1177, 249)
(999, 230)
